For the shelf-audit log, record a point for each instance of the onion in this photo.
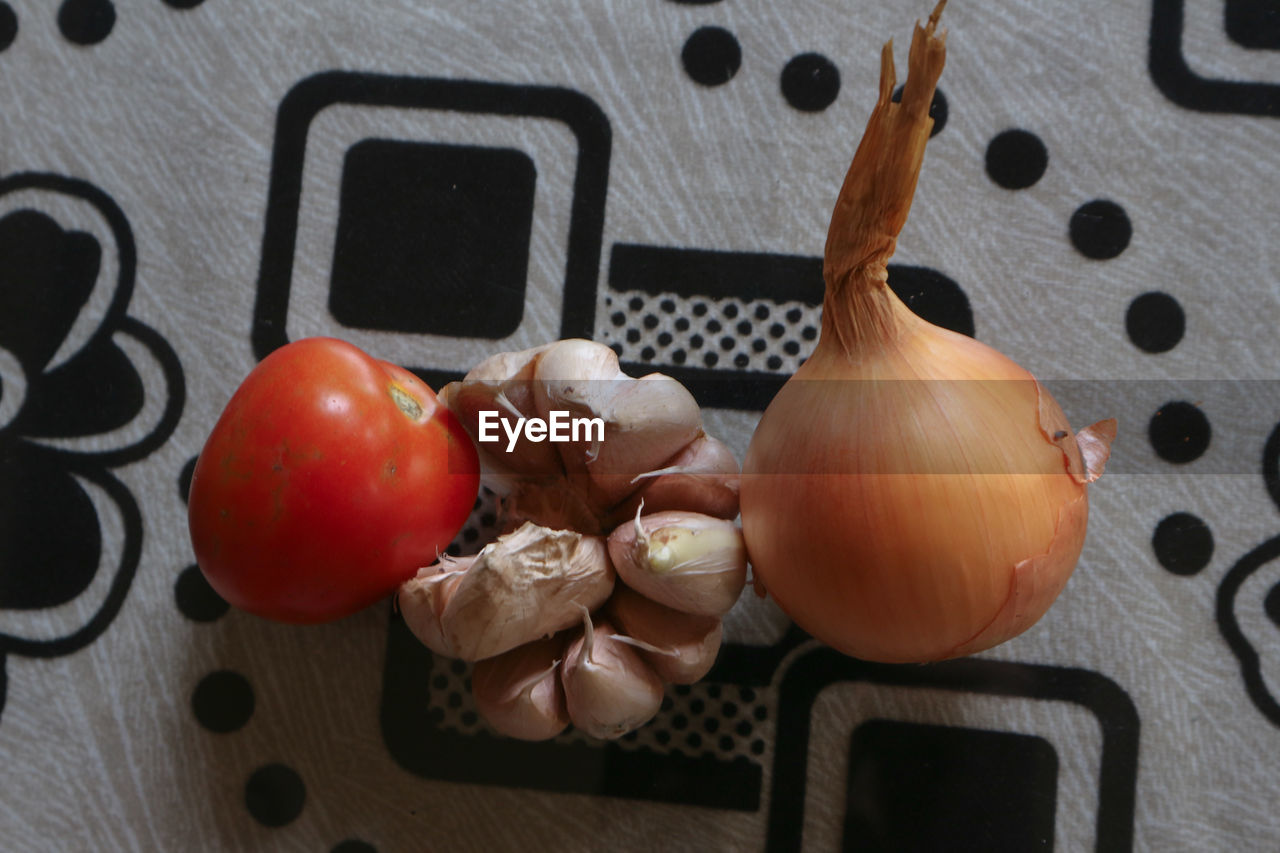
(911, 494)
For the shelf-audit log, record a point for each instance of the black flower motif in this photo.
(1249, 605)
(84, 388)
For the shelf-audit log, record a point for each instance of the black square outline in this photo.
(1175, 79)
(813, 672)
(306, 99)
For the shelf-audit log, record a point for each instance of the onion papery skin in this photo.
(911, 494)
(908, 502)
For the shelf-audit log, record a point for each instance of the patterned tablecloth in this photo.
(186, 185)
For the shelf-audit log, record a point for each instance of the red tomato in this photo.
(330, 478)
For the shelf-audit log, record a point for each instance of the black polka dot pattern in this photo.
(182, 4)
(223, 701)
(1100, 229)
(1155, 322)
(711, 56)
(1179, 432)
(755, 334)
(8, 25)
(930, 295)
(197, 600)
(1183, 543)
(810, 82)
(1016, 159)
(725, 333)
(86, 22)
(275, 795)
(480, 527)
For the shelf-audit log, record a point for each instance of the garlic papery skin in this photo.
(910, 494)
(688, 561)
(519, 693)
(422, 599)
(681, 647)
(609, 689)
(551, 504)
(526, 585)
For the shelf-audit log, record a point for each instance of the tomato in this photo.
(329, 479)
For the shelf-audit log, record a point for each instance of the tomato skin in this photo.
(328, 480)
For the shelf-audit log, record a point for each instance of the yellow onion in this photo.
(910, 494)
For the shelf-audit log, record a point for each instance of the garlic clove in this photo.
(648, 422)
(501, 405)
(579, 377)
(608, 688)
(421, 601)
(681, 647)
(685, 560)
(568, 370)
(527, 584)
(703, 477)
(519, 693)
(503, 366)
(501, 381)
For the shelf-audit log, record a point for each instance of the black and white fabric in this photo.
(186, 185)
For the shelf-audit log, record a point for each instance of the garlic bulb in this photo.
(553, 570)
(646, 424)
(910, 494)
(526, 585)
